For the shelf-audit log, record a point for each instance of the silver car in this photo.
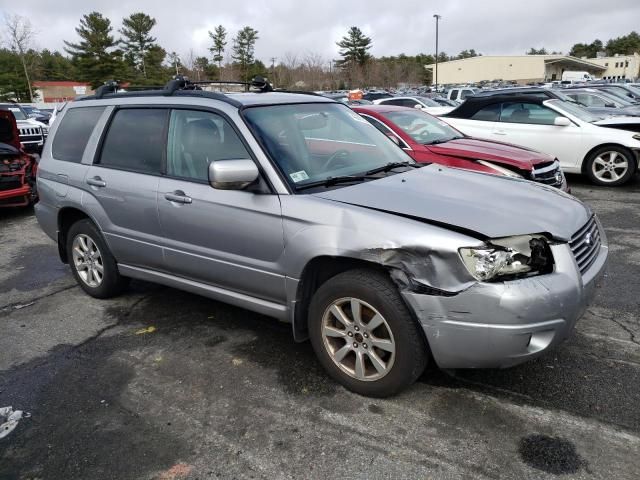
(295, 207)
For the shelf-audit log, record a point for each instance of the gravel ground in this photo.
(161, 384)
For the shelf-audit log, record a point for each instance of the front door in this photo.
(227, 238)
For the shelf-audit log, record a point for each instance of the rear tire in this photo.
(610, 166)
(364, 334)
(92, 264)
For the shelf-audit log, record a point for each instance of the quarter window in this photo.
(74, 132)
(490, 113)
(135, 140)
(198, 138)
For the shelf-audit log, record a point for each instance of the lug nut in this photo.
(366, 335)
(355, 344)
(364, 345)
(350, 334)
(356, 328)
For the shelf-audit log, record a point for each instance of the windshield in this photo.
(422, 127)
(574, 109)
(613, 98)
(428, 101)
(19, 114)
(314, 142)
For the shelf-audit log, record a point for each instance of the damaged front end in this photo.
(17, 168)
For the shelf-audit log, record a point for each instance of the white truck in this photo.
(577, 77)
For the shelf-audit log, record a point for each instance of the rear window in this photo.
(74, 132)
(136, 140)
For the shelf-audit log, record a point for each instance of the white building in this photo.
(619, 67)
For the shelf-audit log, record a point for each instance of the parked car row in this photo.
(296, 207)
(32, 133)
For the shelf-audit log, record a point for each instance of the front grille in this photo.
(585, 245)
(10, 182)
(548, 173)
(31, 135)
(30, 131)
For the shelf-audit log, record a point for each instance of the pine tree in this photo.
(95, 56)
(354, 48)
(136, 39)
(219, 39)
(243, 50)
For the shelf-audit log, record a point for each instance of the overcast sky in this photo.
(491, 27)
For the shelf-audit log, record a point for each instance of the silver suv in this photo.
(295, 207)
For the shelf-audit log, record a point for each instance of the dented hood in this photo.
(476, 149)
(489, 205)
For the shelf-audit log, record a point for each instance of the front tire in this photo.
(364, 334)
(610, 166)
(93, 266)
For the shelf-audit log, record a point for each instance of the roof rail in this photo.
(110, 86)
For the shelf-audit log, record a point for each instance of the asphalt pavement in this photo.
(161, 384)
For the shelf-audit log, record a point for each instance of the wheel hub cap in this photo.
(358, 339)
(87, 260)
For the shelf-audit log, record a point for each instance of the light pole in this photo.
(437, 17)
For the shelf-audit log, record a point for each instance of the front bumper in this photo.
(492, 325)
(14, 197)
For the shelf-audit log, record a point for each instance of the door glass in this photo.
(454, 94)
(527, 113)
(490, 113)
(73, 133)
(135, 140)
(198, 138)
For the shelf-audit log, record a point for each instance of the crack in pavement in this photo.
(632, 335)
(12, 307)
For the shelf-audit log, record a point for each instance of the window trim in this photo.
(406, 145)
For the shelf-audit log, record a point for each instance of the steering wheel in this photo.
(336, 156)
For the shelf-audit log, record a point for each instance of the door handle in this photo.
(178, 197)
(499, 132)
(96, 182)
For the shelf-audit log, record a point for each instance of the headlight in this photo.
(508, 257)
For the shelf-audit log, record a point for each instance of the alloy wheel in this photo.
(358, 339)
(610, 166)
(87, 260)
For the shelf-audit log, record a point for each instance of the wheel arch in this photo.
(633, 153)
(67, 216)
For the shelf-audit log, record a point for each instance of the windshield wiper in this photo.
(443, 140)
(330, 181)
(390, 166)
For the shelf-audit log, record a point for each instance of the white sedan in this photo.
(423, 103)
(604, 149)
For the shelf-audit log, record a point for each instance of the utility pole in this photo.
(437, 17)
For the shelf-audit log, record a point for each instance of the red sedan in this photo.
(428, 139)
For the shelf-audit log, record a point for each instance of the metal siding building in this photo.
(519, 68)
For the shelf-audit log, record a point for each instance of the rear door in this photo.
(123, 183)
(228, 238)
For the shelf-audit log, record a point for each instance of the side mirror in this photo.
(610, 105)
(562, 122)
(418, 106)
(232, 174)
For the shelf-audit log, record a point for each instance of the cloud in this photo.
(401, 26)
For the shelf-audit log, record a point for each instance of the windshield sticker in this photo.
(299, 176)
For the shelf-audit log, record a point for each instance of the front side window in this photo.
(531, 113)
(312, 142)
(73, 133)
(198, 138)
(454, 95)
(135, 140)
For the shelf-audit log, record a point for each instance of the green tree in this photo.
(95, 57)
(137, 40)
(53, 66)
(219, 39)
(625, 45)
(587, 50)
(243, 50)
(533, 51)
(354, 48)
(13, 84)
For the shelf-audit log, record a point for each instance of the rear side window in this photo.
(136, 140)
(74, 132)
(490, 113)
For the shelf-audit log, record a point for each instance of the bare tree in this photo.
(21, 36)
